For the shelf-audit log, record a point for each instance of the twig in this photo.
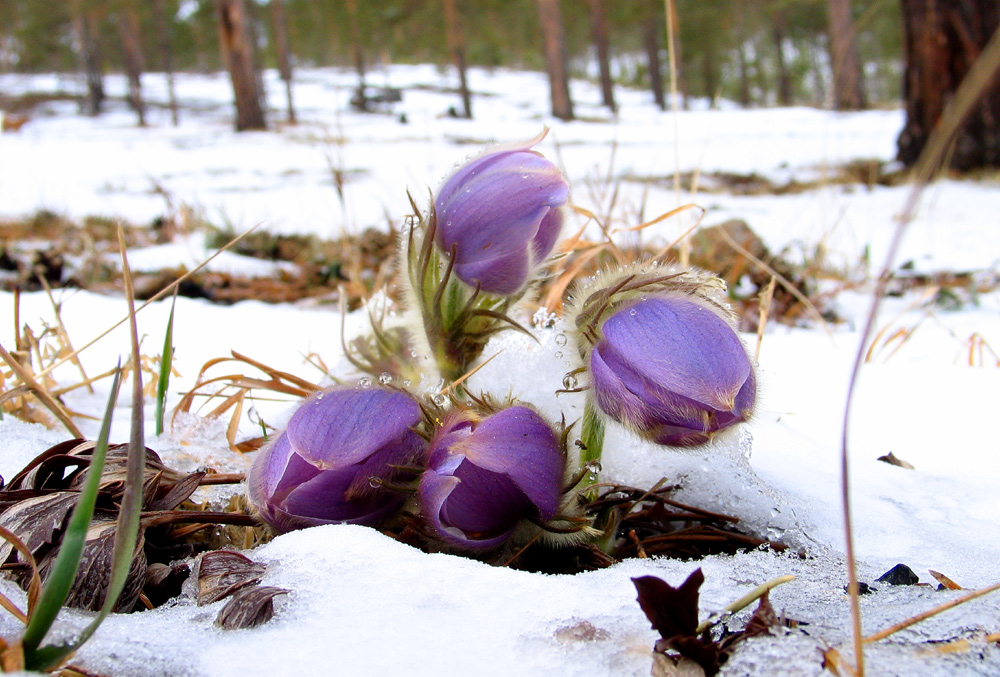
(902, 625)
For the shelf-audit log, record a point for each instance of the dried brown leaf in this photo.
(892, 459)
(249, 607)
(37, 521)
(945, 582)
(94, 572)
(222, 572)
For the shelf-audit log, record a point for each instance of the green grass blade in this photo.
(165, 364)
(64, 569)
(127, 529)
(129, 513)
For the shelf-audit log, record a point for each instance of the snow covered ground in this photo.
(364, 604)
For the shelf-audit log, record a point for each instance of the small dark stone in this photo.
(863, 588)
(899, 575)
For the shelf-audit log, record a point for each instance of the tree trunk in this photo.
(599, 31)
(848, 94)
(85, 34)
(238, 55)
(942, 40)
(284, 53)
(745, 98)
(784, 79)
(651, 41)
(166, 57)
(456, 45)
(555, 58)
(354, 27)
(128, 24)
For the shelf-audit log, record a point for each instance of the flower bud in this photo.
(320, 470)
(499, 217)
(485, 476)
(664, 358)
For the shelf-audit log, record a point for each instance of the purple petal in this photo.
(500, 210)
(518, 443)
(682, 347)
(631, 397)
(501, 275)
(266, 471)
(434, 491)
(547, 235)
(343, 427)
(326, 497)
(484, 503)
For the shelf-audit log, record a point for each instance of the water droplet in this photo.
(560, 339)
(594, 466)
(374, 482)
(632, 312)
(406, 383)
(559, 355)
(385, 378)
(319, 395)
(439, 399)
(592, 477)
(570, 382)
(365, 382)
(642, 298)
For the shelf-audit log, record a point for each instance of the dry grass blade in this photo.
(799, 296)
(457, 382)
(663, 217)
(39, 391)
(913, 620)
(557, 291)
(169, 289)
(63, 334)
(278, 375)
(764, 309)
(973, 85)
(34, 587)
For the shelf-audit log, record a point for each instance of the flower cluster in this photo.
(658, 345)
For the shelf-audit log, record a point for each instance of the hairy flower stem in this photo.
(592, 437)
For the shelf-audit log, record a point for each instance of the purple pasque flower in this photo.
(672, 369)
(319, 470)
(499, 216)
(485, 476)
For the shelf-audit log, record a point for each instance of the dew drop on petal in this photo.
(365, 382)
(374, 482)
(385, 378)
(439, 399)
(569, 382)
(319, 395)
(560, 339)
(559, 354)
(632, 312)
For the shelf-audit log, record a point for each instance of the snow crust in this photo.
(364, 604)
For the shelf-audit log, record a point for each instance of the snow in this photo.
(361, 603)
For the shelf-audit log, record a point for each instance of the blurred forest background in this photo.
(840, 54)
(755, 52)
